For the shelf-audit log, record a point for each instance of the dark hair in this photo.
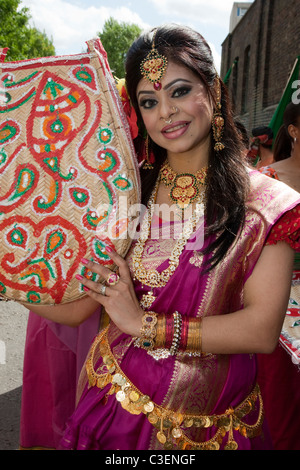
(227, 178)
(283, 143)
(243, 133)
(264, 130)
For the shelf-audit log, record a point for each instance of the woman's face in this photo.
(182, 98)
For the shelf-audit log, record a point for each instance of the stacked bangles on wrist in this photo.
(173, 332)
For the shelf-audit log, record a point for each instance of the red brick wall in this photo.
(272, 30)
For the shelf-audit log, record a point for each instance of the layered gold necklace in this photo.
(151, 277)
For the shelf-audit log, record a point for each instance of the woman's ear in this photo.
(293, 132)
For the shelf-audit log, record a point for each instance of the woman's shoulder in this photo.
(270, 196)
(287, 229)
(280, 202)
(267, 179)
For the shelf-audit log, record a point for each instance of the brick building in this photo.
(264, 45)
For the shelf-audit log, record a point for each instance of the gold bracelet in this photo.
(160, 339)
(200, 335)
(194, 340)
(148, 331)
(177, 333)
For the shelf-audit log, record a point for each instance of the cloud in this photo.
(202, 11)
(71, 25)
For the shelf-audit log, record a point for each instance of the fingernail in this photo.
(84, 261)
(108, 249)
(79, 277)
(86, 288)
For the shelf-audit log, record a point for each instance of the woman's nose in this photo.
(167, 112)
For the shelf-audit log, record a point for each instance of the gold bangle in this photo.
(160, 339)
(177, 333)
(200, 334)
(148, 331)
(194, 340)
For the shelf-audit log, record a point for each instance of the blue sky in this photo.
(72, 22)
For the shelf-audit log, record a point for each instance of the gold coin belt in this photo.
(170, 424)
(152, 277)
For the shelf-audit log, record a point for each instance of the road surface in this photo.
(13, 321)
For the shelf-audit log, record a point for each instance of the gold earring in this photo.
(148, 156)
(218, 123)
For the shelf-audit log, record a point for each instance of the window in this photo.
(241, 11)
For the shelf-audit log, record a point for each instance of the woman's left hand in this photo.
(119, 300)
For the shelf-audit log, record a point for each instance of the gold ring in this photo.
(113, 279)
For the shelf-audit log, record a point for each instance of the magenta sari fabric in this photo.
(54, 355)
(191, 385)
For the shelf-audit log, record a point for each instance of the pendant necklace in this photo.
(185, 188)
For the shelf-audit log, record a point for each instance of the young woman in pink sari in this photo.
(176, 366)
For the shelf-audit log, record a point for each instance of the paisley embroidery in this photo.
(66, 159)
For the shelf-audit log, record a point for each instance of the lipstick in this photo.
(175, 130)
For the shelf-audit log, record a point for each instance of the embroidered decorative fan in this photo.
(68, 173)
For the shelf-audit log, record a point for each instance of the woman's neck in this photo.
(295, 156)
(190, 161)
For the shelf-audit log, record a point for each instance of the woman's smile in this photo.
(175, 130)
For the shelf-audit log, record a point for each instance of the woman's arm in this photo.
(256, 328)
(71, 314)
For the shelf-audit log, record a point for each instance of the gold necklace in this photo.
(152, 277)
(185, 188)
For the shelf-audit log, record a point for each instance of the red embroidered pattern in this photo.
(287, 229)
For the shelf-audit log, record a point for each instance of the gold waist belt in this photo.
(172, 425)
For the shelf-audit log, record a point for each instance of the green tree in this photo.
(116, 39)
(24, 41)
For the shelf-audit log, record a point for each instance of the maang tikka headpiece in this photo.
(154, 66)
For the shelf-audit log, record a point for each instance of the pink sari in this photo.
(202, 386)
(54, 355)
